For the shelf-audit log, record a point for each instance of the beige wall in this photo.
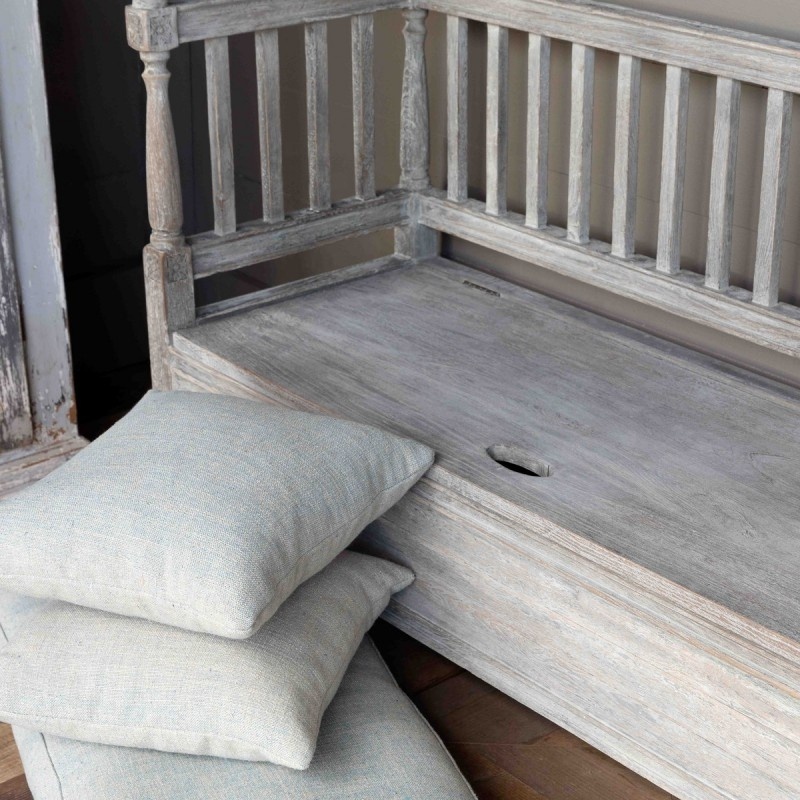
(774, 17)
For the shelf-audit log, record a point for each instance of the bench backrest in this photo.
(754, 312)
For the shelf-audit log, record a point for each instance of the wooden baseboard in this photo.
(20, 467)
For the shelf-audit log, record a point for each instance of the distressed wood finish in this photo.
(269, 124)
(650, 573)
(363, 46)
(689, 44)
(257, 242)
(319, 147)
(457, 179)
(538, 134)
(496, 119)
(169, 285)
(33, 214)
(731, 313)
(626, 156)
(15, 410)
(673, 170)
(766, 280)
(414, 130)
(220, 134)
(566, 568)
(298, 288)
(201, 19)
(723, 177)
(580, 143)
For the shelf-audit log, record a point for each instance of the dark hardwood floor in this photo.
(507, 751)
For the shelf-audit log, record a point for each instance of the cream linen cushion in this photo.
(373, 746)
(94, 676)
(202, 511)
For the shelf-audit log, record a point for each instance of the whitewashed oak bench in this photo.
(642, 591)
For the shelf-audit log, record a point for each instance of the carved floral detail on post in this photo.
(152, 29)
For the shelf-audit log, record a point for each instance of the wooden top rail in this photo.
(204, 19)
(696, 46)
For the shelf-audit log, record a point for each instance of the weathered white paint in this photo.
(25, 137)
(15, 408)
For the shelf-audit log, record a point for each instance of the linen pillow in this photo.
(202, 511)
(374, 745)
(99, 677)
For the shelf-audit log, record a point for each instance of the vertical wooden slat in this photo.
(673, 170)
(269, 124)
(319, 152)
(496, 119)
(774, 177)
(538, 130)
(456, 109)
(723, 175)
(626, 156)
(362, 37)
(580, 143)
(220, 133)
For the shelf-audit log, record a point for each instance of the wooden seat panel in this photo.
(677, 462)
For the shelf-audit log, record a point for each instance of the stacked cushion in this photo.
(202, 511)
(373, 746)
(200, 602)
(115, 680)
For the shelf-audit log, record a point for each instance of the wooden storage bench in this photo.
(610, 532)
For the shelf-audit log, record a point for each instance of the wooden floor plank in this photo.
(464, 709)
(15, 789)
(415, 667)
(490, 781)
(10, 765)
(562, 767)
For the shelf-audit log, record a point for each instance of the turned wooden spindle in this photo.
(414, 146)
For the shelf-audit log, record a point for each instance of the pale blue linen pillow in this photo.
(100, 677)
(202, 511)
(374, 745)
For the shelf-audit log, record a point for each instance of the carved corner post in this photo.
(152, 29)
(415, 240)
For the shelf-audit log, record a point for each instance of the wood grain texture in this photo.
(220, 135)
(683, 295)
(457, 93)
(620, 672)
(661, 618)
(538, 134)
(199, 20)
(626, 156)
(169, 290)
(591, 398)
(580, 144)
(673, 170)
(496, 119)
(723, 178)
(689, 44)
(774, 180)
(15, 411)
(414, 128)
(298, 288)
(269, 124)
(259, 241)
(317, 115)
(32, 210)
(363, 46)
